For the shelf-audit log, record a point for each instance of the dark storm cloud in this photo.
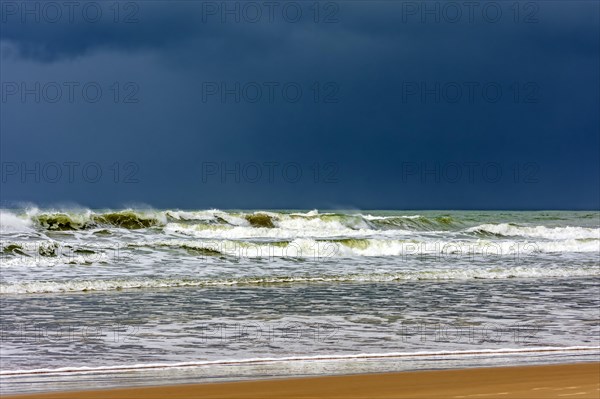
(42, 35)
(149, 25)
(46, 37)
(382, 134)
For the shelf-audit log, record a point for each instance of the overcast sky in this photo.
(356, 104)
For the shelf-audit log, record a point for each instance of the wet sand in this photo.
(553, 381)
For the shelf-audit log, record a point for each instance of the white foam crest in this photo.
(232, 219)
(312, 213)
(551, 233)
(82, 214)
(371, 217)
(194, 215)
(9, 222)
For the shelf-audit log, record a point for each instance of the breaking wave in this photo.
(124, 219)
(135, 219)
(132, 240)
(221, 224)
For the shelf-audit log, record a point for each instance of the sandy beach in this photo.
(553, 381)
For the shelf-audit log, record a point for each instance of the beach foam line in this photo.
(363, 356)
(464, 274)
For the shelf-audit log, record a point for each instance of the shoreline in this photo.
(580, 380)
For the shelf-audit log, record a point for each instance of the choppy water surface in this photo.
(212, 294)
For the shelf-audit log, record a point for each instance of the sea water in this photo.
(104, 298)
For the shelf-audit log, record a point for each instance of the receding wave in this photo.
(406, 276)
(49, 253)
(30, 249)
(307, 358)
(353, 247)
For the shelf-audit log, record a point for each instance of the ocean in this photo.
(106, 298)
